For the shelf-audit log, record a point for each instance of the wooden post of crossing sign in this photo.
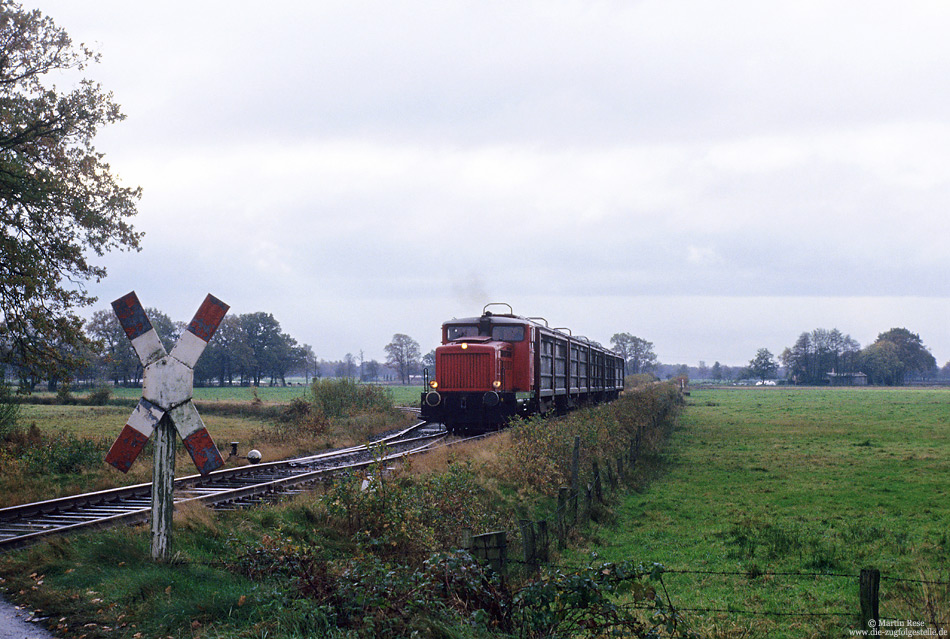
(166, 406)
(163, 489)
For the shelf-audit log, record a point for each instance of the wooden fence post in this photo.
(598, 489)
(589, 500)
(493, 548)
(611, 478)
(870, 583)
(528, 543)
(620, 469)
(576, 464)
(467, 539)
(543, 542)
(575, 478)
(562, 496)
(572, 503)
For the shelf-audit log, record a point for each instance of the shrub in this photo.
(648, 414)
(64, 394)
(447, 595)
(542, 449)
(638, 379)
(300, 418)
(99, 396)
(61, 453)
(335, 398)
(541, 454)
(9, 412)
(396, 514)
(582, 603)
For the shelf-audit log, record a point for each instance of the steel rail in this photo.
(29, 523)
(125, 492)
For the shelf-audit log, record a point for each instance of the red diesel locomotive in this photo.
(497, 366)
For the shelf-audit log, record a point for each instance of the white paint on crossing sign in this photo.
(188, 349)
(167, 383)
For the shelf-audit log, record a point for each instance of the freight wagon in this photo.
(497, 366)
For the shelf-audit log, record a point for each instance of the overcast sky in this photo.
(715, 177)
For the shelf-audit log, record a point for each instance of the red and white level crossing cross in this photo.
(167, 383)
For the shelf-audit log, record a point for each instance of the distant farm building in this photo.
(847, 379)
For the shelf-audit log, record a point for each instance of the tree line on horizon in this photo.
(895, 356)
(249, 349)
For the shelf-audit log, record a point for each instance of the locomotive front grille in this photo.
(469, 371)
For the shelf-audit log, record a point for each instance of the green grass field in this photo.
(816, 482)
(402, 395)
(267, 394)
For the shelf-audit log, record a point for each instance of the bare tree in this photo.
(402, 354)
(310, 365)
(637, 352)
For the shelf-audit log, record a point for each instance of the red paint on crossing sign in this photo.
(208, 317)
(126, 448)
(131, 315)
(203, 451)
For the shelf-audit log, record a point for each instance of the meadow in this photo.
(402, 395)
(791, 492)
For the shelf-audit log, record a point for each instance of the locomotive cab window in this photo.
(507, 333)
(460, 330)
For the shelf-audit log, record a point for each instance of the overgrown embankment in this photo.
(375, 560)
(540, 454)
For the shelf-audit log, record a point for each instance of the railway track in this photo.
(230, 488)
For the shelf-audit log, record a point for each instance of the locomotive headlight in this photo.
(496, 384)
(464, 346)
(433, 384)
